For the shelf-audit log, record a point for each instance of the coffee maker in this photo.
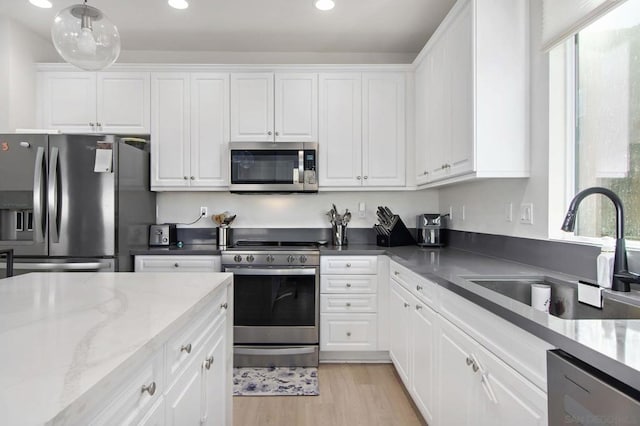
(431, 228)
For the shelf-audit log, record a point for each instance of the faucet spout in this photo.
(621, 275)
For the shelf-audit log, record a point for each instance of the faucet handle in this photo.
(625, 278)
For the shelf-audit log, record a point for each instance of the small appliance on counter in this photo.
(391, 231)
(163, 235)
(431, 228)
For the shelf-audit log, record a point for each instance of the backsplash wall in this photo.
(292, 210)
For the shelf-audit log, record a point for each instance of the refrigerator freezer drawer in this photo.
(23, 266)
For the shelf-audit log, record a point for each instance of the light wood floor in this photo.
(350, 394)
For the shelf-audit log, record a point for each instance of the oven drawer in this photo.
(348, 303)
(348, 332)
(349, 265)
(349, 284)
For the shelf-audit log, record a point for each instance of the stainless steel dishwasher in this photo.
(580, 394)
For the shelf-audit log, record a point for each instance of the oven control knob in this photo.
(270, 258)
(291, 259)
(303, 258)
(250, 258)
(237, 258)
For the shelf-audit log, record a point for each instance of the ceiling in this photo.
(257, 25)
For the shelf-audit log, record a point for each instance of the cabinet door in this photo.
(68, 101)
(399, 317)
(383, 134)
(461, 68)
(252, 107)
(216, 387)
(458, 387)
(209, 130)
(184, 400)
(296, 107)
(514, 399)
(438, 110)
(123, 102)
(340, 146)
(170, 131)
(424, 382)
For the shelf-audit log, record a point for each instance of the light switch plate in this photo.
(526, 213)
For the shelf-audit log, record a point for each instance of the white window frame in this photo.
(562, 133)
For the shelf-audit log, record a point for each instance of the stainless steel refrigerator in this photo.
(74, 202)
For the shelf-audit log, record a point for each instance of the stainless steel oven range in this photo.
(276, 303)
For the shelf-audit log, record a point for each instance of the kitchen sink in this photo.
(564, 298)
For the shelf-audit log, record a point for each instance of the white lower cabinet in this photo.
(180, 263)
(451, 376)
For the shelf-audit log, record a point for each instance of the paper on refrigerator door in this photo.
(104, 161)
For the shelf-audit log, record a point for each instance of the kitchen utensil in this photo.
(228, 220)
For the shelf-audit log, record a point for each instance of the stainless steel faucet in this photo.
(621, 275)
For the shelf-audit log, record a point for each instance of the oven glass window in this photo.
(261, 300)
(263, 166)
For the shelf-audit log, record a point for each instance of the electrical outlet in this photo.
(362, 210)
(526, 213)
(464, 213)
(450, 213)
(508, 212)
(203, 211)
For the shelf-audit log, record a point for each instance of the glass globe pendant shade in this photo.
(85, 37)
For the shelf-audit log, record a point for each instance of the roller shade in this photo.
(562, 19)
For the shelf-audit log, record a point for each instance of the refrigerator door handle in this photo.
(53, 196)
(38, 190)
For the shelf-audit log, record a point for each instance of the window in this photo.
(606, 147)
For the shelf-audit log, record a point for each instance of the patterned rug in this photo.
(275, 381)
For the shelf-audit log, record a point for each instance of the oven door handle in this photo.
(268, 271)
(276, 351)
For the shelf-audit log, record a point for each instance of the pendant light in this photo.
(324, 5)
(85, 37)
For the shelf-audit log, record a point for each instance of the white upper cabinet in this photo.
(190, 131)
(268, 107)
(472, 95)
(105, 102)
(362, 130)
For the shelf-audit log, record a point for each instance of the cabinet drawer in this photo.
(348, 265)
(348, 303)
(186, 343)
(348, 332)
(130, 401)
(177, 264)
(420, 287)
(348, 284)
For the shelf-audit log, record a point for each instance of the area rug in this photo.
(275, 381)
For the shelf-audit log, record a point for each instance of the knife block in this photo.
(399, 236)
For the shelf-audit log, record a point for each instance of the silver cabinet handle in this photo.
(348, 265)
(406, 305)
(425, 173)
(418, 307)
(176, 265)
(186, 348)
(184, 177)
(224, 305)
(348, 334)
(277, 133)
(358, 177)
(193, 178)
(269, 133)
(208, 362)
(92, 125)
(396, 273)
(99, 125)
(151, 389)
(472, 362)
(366, 177)
(419, 287)
(348, 285)
(348, 304)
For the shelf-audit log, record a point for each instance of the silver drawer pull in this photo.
(348, 334)
(419, 287)
(224, 305)
(348, 285)
(406, 305)
(348, 265)
(348, 304)
(176, 265)
(151, 389)
(208, 362)
(396, 273)
(418, 307)
(186, 348)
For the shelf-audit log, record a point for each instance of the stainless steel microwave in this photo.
(273, 167)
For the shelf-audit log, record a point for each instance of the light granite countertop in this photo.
(63, 334)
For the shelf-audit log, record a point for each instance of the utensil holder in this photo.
(339, 234)
(224, 234)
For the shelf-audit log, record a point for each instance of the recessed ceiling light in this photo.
(178, 4)
(324, 4)
(45, 4)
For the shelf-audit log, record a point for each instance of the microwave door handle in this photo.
(53, 196)
(300, 166)
(38, 190)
